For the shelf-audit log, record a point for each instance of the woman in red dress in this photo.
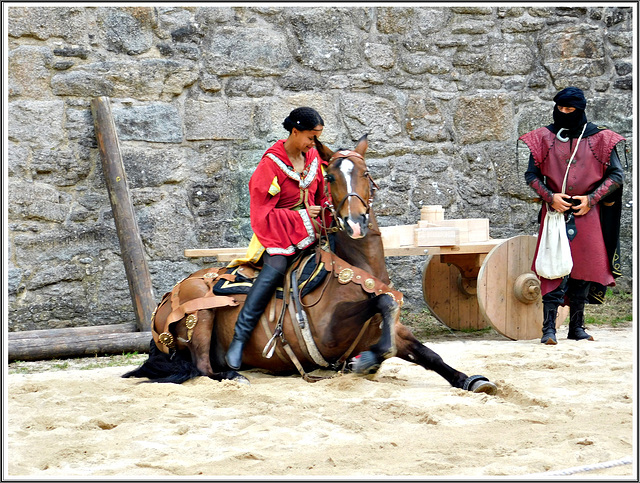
(286, 195)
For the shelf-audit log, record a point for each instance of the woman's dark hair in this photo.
(303, 119)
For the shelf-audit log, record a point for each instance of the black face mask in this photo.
(570, 121)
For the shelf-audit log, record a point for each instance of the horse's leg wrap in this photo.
(479, 384)
(365, 363)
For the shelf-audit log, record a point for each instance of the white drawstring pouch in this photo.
(554, 253)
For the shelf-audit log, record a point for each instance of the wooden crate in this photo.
(397, 236)
(432, 213)
(471, 229)
(436, 236)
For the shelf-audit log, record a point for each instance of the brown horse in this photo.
(352, 311)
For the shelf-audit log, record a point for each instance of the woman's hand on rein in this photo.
(314, 210)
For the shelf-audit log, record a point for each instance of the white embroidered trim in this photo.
(281, 251)
(302, 244)
(291, 173)
(305, 242)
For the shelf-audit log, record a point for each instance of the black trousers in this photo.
(577, 291)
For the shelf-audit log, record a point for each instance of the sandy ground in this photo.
(566, 408)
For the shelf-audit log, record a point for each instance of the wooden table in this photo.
(468, 286)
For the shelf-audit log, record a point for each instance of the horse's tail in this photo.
(159, 367)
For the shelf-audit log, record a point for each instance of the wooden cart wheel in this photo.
(509, 292)
(451, 298)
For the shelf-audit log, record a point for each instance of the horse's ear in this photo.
(362, 145)
(324, 152)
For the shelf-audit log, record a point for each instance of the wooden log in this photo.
(73, 331)
(133, 255)
(34, 349)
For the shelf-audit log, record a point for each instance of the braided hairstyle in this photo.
(303, 119)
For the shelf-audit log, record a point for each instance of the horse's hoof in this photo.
(480, 384)
(365, 363)
(237, 377)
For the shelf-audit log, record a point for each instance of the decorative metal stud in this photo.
(192, 320)
(167, 339)
(345, 275)
(369, 284)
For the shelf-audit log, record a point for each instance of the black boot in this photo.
(576, 322)
(257, 299)
(550, 312)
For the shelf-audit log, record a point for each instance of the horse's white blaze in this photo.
(347, 168)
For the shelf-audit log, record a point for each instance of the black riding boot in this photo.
(550, 312)
(257, 299)
(576, 322)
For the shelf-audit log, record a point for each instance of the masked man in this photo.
(593, 196)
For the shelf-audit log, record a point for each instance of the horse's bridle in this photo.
(372, 189)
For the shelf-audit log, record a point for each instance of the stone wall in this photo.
(198, 94)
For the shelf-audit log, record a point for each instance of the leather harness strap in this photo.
(165, 340)
(347, 273)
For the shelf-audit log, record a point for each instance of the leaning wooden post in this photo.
(133, 255)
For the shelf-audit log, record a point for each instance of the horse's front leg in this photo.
(411, 349)
(368, 362)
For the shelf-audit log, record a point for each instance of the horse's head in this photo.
(352, 187)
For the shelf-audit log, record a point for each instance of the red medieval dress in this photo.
(279, 197)
(586, 176)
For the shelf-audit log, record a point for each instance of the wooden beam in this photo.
(73, 331)
(133, 255)
(228, 254)
(34, 349)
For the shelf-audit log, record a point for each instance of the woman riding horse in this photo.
(286, 194)
(352, 311)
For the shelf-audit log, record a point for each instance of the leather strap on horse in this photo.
(164, 341)
(347, 273)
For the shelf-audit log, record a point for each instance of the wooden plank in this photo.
(133, 255)
(222, 254)
(228, 254)
(78, 346)
(398, 236)
(436, 236)
(73, 331)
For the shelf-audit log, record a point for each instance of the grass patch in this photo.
(616, 311)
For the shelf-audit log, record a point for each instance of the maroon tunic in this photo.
(590, 260)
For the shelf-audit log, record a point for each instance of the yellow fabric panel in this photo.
(254, 252)
(274, 189)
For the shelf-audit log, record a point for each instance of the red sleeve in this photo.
(278, 228)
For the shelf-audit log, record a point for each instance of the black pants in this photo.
(279, 262)
(577, 291)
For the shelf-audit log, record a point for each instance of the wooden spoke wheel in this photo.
(508, 291)
(450, 291)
